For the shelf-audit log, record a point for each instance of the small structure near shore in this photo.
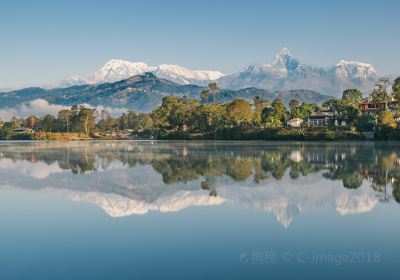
(23, 130)
(296, 122)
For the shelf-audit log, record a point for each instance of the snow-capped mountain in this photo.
(286, 72)
(181, 75)
(116, 70)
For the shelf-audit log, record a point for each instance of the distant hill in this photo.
(143, 92)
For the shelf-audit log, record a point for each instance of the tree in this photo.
(86, 120)
(31, 122)
(279, 110)
(303, 111)
(65, 118)
(294, 103)
(272, 121)
(259, 105)
(353, 95)
(379, 93)
(128, 120)
(396, 89)
(212, 87)
(144, 122)
(239, 111)
(48, 123)
(16, 122)
(209, 117)
(204, 95)
(366, 122)
(386, 119)
(107, 122)
(344, 110)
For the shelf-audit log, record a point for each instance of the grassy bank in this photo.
(236, 133)
(47, 136)
(281, 134)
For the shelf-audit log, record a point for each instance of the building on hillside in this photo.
(319, 119)
(296, 122)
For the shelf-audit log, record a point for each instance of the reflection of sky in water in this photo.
(47, 227)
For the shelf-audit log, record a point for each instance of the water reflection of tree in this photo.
(350, 163)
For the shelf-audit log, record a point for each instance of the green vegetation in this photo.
(179, 117)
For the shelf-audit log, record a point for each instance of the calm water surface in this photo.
(199, 210)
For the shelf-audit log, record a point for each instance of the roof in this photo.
(320, 115)
(295, 120)
(378, 102)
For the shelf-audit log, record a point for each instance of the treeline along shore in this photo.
(353, 117)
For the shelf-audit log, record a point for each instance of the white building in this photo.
(296, 122)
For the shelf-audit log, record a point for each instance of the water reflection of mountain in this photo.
(136, 177)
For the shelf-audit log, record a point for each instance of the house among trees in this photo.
(319, 119)
(376, 107)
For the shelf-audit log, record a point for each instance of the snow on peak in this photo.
(115, 70)
(176, 71)
(282, 63)
(354, 70)
(284, 52)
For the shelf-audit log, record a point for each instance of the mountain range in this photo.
(142, 92)
(116, 70)
(285, 72)
(138, 86)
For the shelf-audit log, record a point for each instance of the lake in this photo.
(199, 210)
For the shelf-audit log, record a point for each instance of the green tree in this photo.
(16, 122)
(204, 95)
(272, 121)
(64, 118)
(353, 95)
(85, 120)
(107, 122)
(212, 87)
(239, 111)
(386, 119)
(128, 120)
(344, 110)
(259, 105)
(302, 111)
(279, 110)
(48, 123)
(209, 117)
(380, 93)
(144, 122)
(396, 88)
(366, 122)
(294, 103)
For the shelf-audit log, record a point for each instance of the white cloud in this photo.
(41, 107)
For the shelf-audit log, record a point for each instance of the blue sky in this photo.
(45, 41)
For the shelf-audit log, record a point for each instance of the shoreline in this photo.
(226, 134)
